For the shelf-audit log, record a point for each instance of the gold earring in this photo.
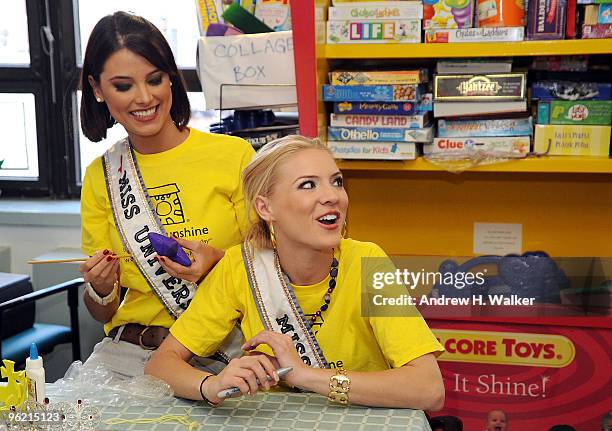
(272, 236)
(99, 99)
(343, 233)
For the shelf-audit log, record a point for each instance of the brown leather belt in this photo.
(147, 337)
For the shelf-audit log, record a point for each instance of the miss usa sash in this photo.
(135, 217)
(278, 307)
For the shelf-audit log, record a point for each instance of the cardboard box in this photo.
(517, 146)
(382, 31)
(503, 86)
(389, 121)
(448, 14)
(378, 77)
(493, 127)
(593, 141)
(582, 112)
(487, 34)
(546, 19)
(371, 93)
(376, 108)
(379, 134)
(376, 11)
(569, 90)
(599, 31)
(373, 150)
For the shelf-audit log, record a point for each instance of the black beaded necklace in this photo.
(333, 274)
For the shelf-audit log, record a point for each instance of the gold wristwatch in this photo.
(339, 386)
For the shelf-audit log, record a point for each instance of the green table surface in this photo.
(270, 411)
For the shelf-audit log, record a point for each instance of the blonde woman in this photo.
(294, 287)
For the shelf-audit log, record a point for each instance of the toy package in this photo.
(448, 13)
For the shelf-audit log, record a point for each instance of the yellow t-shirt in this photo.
(346, 338)
(197, 193)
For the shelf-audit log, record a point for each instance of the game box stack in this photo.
(493, 96)
(379, 115)
(573, 118)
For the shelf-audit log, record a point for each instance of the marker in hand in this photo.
(235, 390)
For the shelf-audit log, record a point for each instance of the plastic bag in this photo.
(461, 161)
(98, 386)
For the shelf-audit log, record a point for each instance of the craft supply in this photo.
(501, 13)
(35, 372)
(208, 13)
(235, 390)
(13, 392)
(168, 247)
(76, 259)
(243, 20)
(184, 420)
(218, 29)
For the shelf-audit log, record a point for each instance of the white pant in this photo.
(124, 359)
(127, 360)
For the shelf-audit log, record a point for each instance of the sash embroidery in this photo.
(135, 217)
(277, 305)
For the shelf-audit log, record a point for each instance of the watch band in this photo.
(102, 300)
(339, 386)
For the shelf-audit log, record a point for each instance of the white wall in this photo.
(32, 228)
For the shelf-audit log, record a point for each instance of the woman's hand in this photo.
(242, 373)
(101, 271)
(205, 258)
(284, 351)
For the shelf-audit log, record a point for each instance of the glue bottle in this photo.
(35, 373)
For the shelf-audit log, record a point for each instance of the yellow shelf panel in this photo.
(447, 50)
(586, 165)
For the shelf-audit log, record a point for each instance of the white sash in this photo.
(135, 217)
(278, 307)
(133, 212)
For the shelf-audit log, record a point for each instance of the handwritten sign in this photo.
(232, 67)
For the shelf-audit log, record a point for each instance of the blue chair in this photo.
(17, 310)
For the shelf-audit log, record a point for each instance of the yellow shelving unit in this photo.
(563, 204)
(461, 50)
(563, 165)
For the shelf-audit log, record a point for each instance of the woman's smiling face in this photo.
(308, 202)
(138, 94)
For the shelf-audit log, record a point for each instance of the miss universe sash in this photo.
(135, 217)
(278, 307)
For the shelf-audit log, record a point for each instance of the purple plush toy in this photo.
(167, 246)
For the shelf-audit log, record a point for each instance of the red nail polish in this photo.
(105, 252)
(163, 259)
(109, 258)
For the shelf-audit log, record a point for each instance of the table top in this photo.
(270, 411)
